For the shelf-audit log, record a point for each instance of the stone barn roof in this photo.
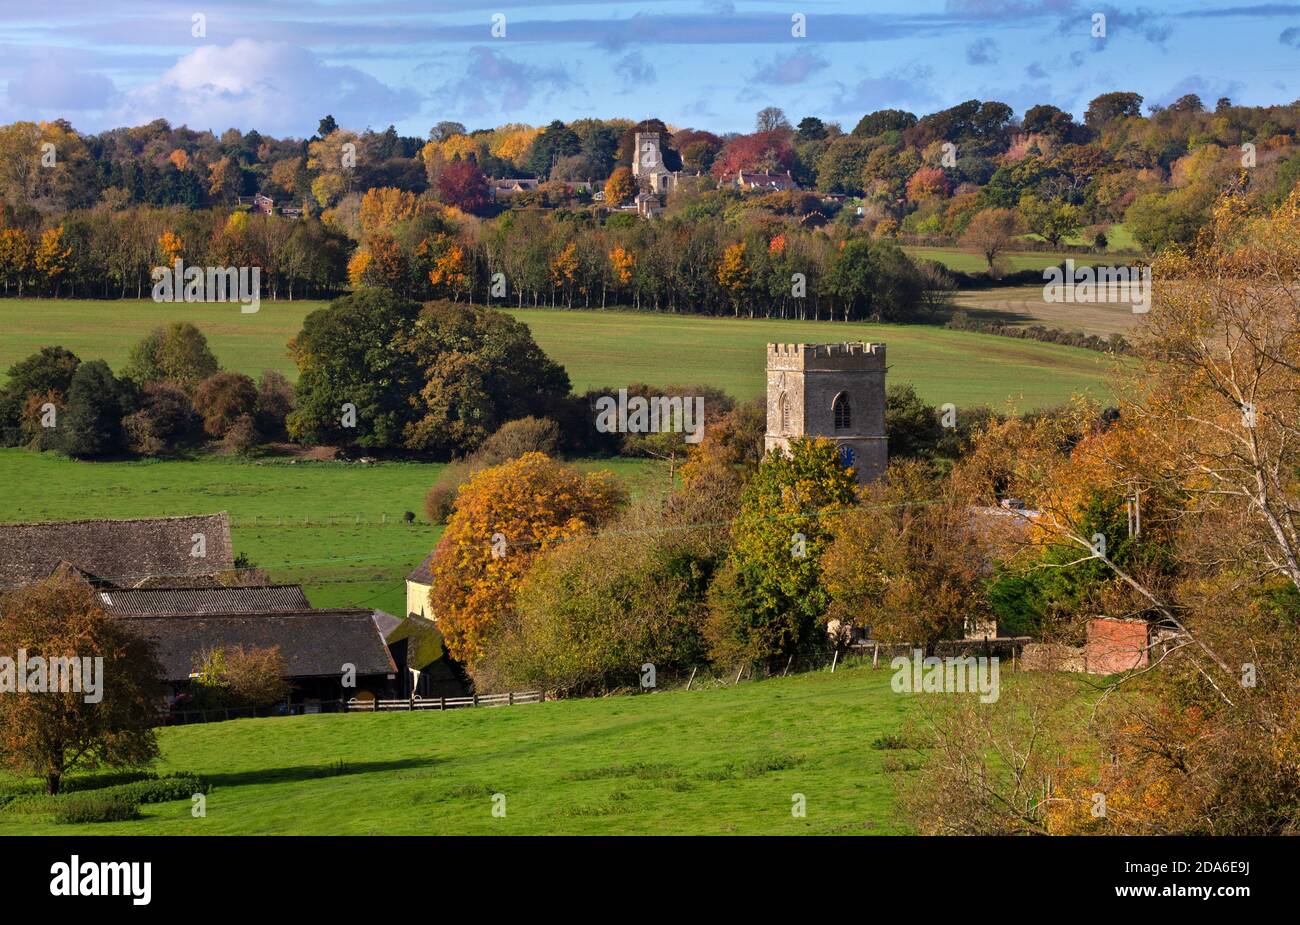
(313, 643)
(147, 602)
(422, 574)
(118, 553)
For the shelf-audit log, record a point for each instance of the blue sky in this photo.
(279, 65)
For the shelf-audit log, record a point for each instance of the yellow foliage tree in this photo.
(15, 258)
(51, 258)
(514, 146)
(459, 146)
(383, 207)
(170, 246)
(734, 274)
(623, 262)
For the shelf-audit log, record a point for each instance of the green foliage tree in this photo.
(355, 380)
(92, 424)
(48, 370)
(769, 600)
(478, 368)
(177, 353)
(1158, 219)
(594, 610)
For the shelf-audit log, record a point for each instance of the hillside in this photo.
(600, 348)
(721, 761)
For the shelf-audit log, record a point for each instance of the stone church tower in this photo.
(648, 165)
(835, 391)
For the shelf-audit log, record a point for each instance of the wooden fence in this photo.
(514, 698)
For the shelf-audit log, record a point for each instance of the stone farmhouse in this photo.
(173, 580)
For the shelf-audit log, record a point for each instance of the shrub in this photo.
(166, 418)
(242, 436)
(439, 502)
(274, 405)
(515, 438)
(159, 790)
(95, 807)
(222, 398)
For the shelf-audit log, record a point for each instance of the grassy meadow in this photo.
(721, 761)
(610, 348)
(335, 528)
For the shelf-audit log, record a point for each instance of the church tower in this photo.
(648, 164)
(836, 391)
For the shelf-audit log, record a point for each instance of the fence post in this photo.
(511, 700)
(691, 679)
(443, 704)
(476, 699)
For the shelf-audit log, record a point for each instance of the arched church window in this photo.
(841, 412)
(785, 413)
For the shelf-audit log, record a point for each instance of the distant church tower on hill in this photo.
(836, 391)
(648, 165)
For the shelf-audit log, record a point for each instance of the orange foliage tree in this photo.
(504, 517)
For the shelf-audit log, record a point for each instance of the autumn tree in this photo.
(593, 610)
(620, 187)
(241, 677)
(463, 185)
(222, 398)
(908, 563)
(769, 599)
(50, 734)
(990, 233)
(734, 274)
(504, 517)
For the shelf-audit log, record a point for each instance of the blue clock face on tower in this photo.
(847, 456)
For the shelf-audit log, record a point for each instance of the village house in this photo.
(418, 585)
(505, 188)
(751, 181)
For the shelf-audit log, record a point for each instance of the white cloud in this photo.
(277, 88)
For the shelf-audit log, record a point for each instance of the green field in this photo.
(719, 761)
(602, 348)
(955, 258)
(335, 528)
